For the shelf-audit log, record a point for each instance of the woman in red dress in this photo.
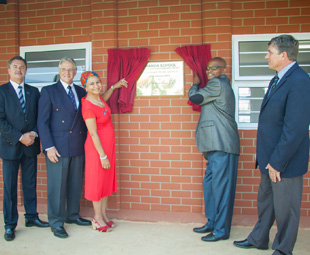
(100, 167)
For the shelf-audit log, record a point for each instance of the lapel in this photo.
(79, 94)
(12, 94)
(280, 84)
(79, 110)
(28, 99)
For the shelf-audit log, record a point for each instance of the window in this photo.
(251, 75)
(42, 61)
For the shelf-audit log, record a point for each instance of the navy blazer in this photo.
(283, 125)
(14, 123)
(59, 124)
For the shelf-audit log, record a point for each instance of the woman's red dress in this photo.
(99, 182)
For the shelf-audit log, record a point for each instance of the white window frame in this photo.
(55, 47)
(252, 81)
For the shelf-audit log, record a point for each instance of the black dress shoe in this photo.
(246, 245)
(60, 232)
(79, 221)
(212, 238)
(9, 234)
(36, 223)
(204, 229)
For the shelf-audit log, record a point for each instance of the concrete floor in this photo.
(132, 238)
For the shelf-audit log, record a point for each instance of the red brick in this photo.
(138, 27)
(160, 207)
(180, 208)
(249, 211)
(138, 42)
(150, 185)
(288, 28)
(299, 3)
(170, 201)
(151, 200)
(296, 20)
(138, 206)
(304, 11)
(148, 18)
(169, 32)
(156, 163)
(290, 12)
(140, 192)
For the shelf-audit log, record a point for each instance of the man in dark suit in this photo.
(218, 139)
(282, 152)
(19, 146)
(63, 133)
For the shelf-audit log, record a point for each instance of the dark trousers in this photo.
(219, 187)
(278, 201)
(29, 182)
(64, 187)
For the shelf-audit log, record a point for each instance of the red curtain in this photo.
(126, 64)
(197, 58)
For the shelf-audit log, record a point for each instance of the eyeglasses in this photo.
(213, 67)
(64, 70)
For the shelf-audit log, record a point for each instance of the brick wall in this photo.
(159, 167)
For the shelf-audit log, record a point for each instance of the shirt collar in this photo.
(15, 84)
(65, 85)
(285, 69)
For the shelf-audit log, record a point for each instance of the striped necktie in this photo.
(274, 84)
(21, 97)
(71, 96)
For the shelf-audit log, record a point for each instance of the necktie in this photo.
(21, 97)
(71, 96)
(274, 84)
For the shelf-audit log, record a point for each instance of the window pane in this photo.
(250, 100)
(304, 55)
(43, 66)
(252, 60)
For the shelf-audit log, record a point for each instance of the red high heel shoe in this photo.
(111, 224)
(97, 226)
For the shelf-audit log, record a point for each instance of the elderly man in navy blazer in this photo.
(19, 146)
(63, 133)
(282, 149)
(218, 139)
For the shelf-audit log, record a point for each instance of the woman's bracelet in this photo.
(104, 157)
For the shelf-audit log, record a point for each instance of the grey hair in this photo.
(67, 59)
(286, 43)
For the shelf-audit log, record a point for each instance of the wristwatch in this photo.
(112, 88)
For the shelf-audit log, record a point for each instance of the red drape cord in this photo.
(197, 58)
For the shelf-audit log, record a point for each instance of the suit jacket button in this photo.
(57, 110)
(63, 121)
(70, 132)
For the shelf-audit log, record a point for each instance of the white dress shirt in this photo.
(65, 85)
(15, 86)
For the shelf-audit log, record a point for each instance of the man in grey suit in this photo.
(218, 139)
